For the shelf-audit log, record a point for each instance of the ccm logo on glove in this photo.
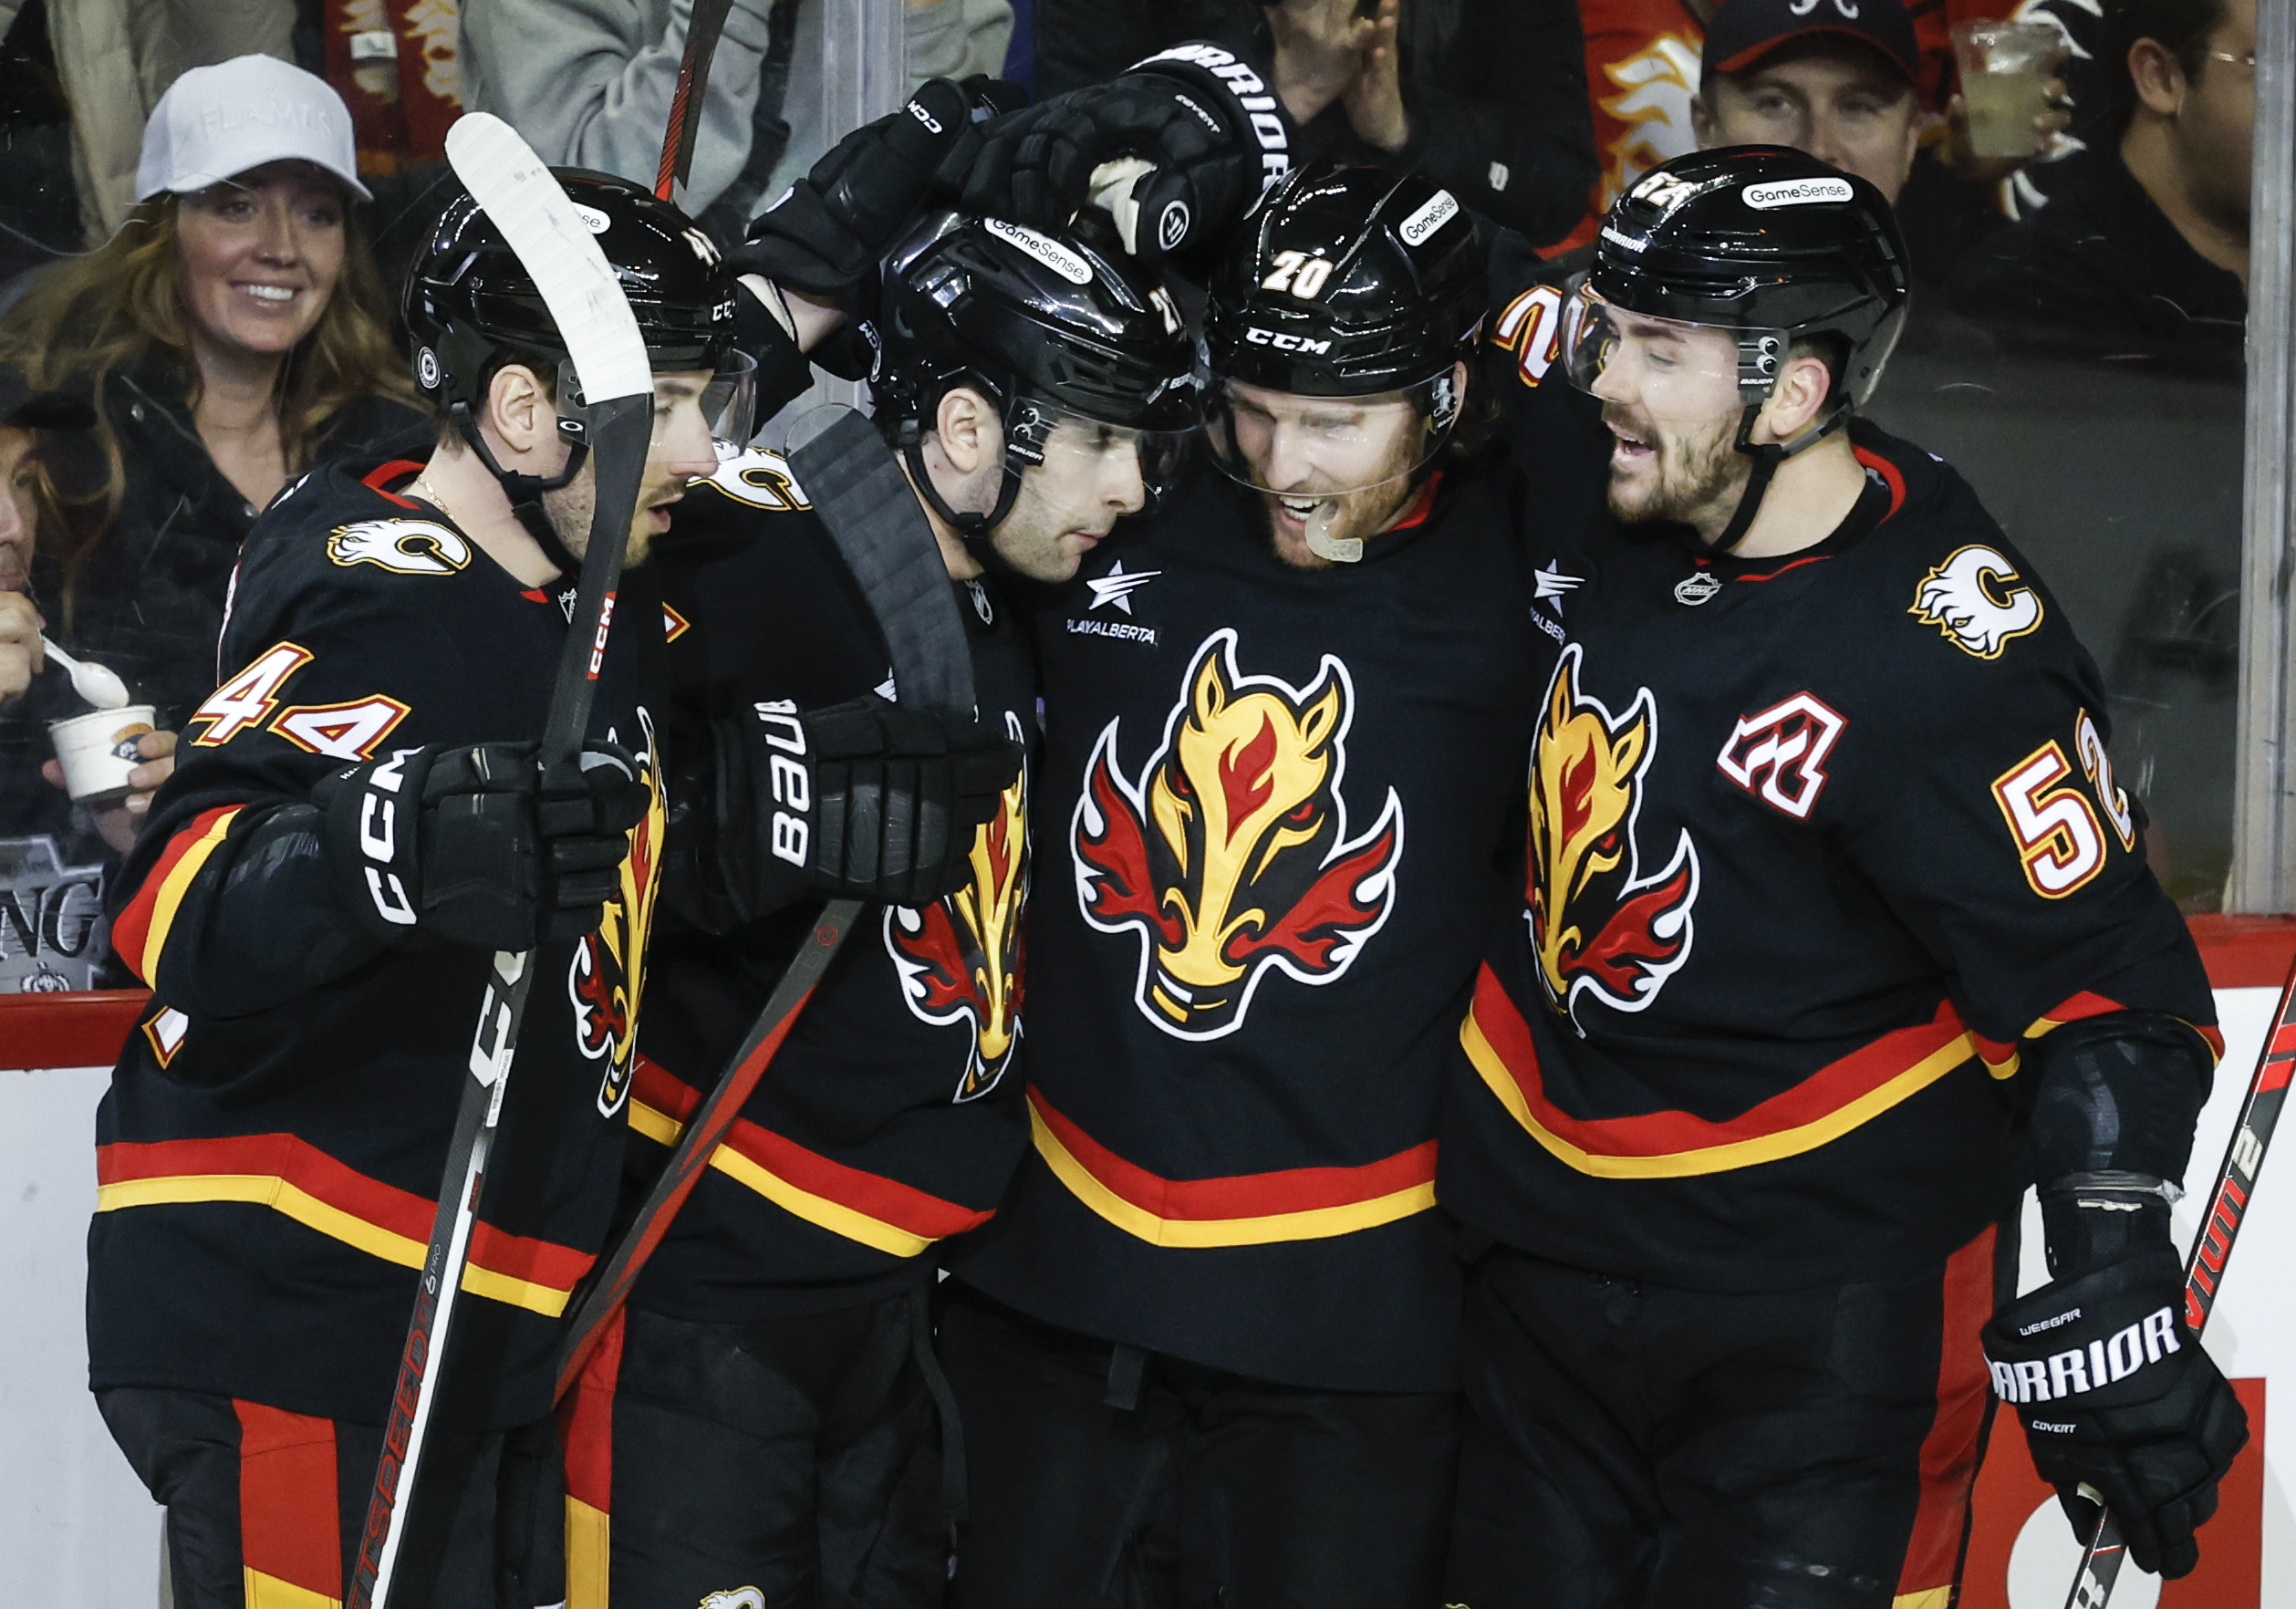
(2083, 1369)
(379, 840)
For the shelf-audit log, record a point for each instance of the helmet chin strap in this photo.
(976, 530)
(1767, 457)
(525, 492)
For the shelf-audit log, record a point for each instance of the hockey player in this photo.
(764, 1416)
(1205, 1350)
(356, 825)
(1836, 932)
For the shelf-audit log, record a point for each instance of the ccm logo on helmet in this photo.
(1795, 193)
(1285, 343)
(2088, 1368)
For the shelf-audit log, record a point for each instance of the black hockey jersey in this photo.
(1815, 844)
(891, 1116)
(267, 1176)
(1279, 801)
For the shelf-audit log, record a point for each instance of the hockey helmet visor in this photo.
(1674, 370)
(1067, 442)
(1297, 446)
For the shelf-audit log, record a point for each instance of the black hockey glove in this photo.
(466, 847)
(2120, 1403)
(1211, 128)
(825, 234)
(861, 800)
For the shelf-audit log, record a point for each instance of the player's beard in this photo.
(1696, 469)
(1363, 513)
(572, 506)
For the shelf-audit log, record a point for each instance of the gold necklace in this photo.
(431, 494)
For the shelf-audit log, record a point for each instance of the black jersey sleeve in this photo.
(225, 906)
(1982, 802)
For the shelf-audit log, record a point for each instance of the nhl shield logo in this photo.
(1228, 858)
(1602, 928)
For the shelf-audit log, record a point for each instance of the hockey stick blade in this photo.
(608, 355)
(2211, 1249)
(704, 25)
(699, 1143)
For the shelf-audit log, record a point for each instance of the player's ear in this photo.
(519, 407)
(1702, 119)
(1798, 398)
(962, 421)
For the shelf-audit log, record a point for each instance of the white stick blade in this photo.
(532, 213)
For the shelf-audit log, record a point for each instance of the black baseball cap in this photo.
(27, 409)
(1744, 31)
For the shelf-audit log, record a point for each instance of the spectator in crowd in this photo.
(1842, 83)
(2146, 238)
(35, 689)
(230, 336)
(1487, 98)
(588, 83)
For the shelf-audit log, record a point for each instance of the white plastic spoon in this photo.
(96, 683)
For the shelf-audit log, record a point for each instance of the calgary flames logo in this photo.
(1229, 855)
(1600, 928)
(959, 958)
(609, 966)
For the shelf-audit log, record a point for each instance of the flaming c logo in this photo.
(961, 958)
(1600, 928)
(610, 965)
(1230, 856)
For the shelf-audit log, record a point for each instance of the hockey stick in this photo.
(2203, 1272)
(872, 516)
(608, 355)
(703, 25)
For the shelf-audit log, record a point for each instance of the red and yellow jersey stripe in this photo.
(869, 1207)
(142, 932)
(1241, 1209)
(296, 1178)
(1823, 1107)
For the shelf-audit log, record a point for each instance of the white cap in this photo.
(217, 122)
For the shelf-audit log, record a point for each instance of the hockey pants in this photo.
(1101, 1476)
(267, 1506)
(794, 1460)
(1629, 1446)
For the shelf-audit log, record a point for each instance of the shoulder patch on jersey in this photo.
(405, 547)
(1975, 600)
(762, 480)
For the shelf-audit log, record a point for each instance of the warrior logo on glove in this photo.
(1601, 928)
(959, 958)
(608, 968)
(1230, 856)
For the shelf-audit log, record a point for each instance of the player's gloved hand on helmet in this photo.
(861, 800)
(467, 845)
(825, 234)
(1211, 128)
(2119, 1402)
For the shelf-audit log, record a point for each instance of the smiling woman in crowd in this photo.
(231, 336)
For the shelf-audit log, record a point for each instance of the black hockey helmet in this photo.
(1765, 241)
(1348, 281)
(1046, 325)
(1768, 245)
(471, 306)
